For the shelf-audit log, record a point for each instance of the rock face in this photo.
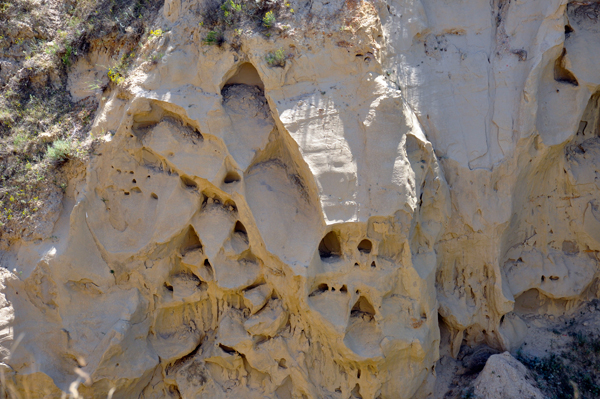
(260, 231)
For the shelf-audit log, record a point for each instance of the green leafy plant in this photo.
(213, 38)
(156, 33)
(114, 74)
(276, 58)
(60, 151)
(269, 19)
(117, 73)
(66, 57)
(230, 7)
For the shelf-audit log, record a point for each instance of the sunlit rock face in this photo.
(257, 231)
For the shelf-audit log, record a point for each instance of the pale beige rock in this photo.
(252, 231)
(504, 377)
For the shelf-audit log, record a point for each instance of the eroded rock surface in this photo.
(248, 230)
(503, 377)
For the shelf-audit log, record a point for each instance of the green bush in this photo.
(213, 38)
(269, 19)
(276, 58)
(60, 151)
(229, 7)
(66, 57)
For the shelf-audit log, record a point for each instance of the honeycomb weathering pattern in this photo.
(262, 232)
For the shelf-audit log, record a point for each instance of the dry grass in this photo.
(41, 127)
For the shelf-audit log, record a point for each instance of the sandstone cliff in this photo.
(320, 202)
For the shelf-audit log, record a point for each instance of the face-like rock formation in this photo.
(257, 231)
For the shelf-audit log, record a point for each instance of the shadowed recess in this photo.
(330, 246)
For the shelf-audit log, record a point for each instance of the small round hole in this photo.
(373, 265)
(365, 246)
(232, 177)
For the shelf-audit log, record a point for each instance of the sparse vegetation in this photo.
(269, 19)
(229, 9)
(578, 367)
(156, 33)
(224, 16)
(41, 127)
(213, 38)
(60, 151)
(117, 73)
(276, 58)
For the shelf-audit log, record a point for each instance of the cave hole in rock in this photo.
(259, 339)
(188, 183)
(365, 246)
(245, 74)
(231, 205)
(187, 282)
(207, 200)
(228, 349)
(239, 228)
(330, 246)
(136, 190)
(344, 289)
(169, 287)
(232, 177)
(568, 29)
(356, 392)
(362, 307)
(561, 73)
(144, 122)
(282, 364)
(321, 288)
(154, 196)
(373, 265)
(191, 241)
(260, 281)
(208, 265)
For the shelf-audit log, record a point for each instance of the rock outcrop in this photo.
(302, 229)
(503, 377)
